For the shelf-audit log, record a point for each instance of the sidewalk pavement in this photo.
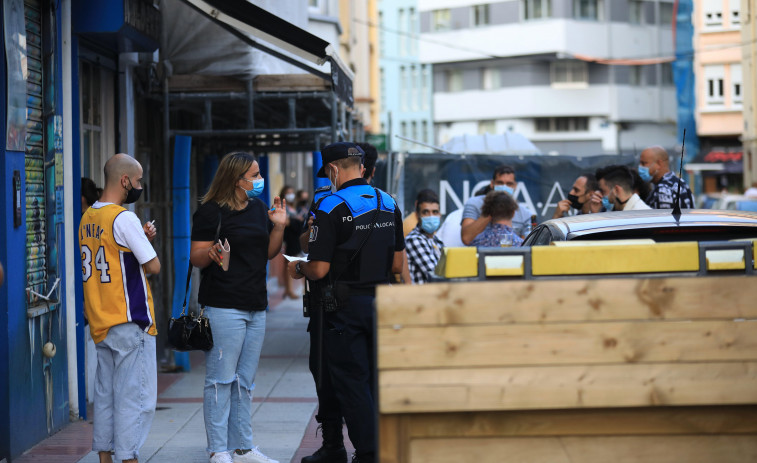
(284, 404)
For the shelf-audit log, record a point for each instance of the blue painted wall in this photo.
(683, 76)
(24, 419)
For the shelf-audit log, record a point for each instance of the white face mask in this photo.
(289, 197)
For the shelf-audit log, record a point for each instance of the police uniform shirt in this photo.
(319, 193)
(665, 193)
(113, 249)
(334, 225)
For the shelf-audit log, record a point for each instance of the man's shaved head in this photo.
(119, 165)
(656, 159)
(659, 153)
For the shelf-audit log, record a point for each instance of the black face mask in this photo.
(574, 202)
(132, 195)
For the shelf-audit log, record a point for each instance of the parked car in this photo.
(727, 201)
(658, 224)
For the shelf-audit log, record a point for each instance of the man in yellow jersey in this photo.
(116, 256)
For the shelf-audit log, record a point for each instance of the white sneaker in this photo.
(253, 456)
(221, 457)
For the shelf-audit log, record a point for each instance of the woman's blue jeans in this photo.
(230, 368)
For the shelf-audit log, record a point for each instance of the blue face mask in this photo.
(607, 204)
(504, 188)
(430, 224)
(257, 188)
(644, 173)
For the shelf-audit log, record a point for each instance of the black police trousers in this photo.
(328, 405)
(350, 351)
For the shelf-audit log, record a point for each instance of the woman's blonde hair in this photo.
(222, 189)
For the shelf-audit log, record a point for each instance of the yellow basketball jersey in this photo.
(115, 288)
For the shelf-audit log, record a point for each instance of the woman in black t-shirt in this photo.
(235, 300)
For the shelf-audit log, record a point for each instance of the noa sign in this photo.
(543, 181)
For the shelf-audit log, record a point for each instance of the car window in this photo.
(674, 234)
(541, 236)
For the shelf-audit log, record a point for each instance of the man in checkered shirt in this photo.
(654, 166)
(422, 245)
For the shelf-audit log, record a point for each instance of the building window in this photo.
(537, 9)
(713, 14)
(667, 74)
(403, 88)
(666, 14)
(490, 79)
(403, 132)
(382, 87)
(569, 73)
(424, 135)
(480, 15)
(401, 34)
(588, 9)
(735, 17)
(382, 42)
(414, 87)
(412, 29)
(635, 12)
(441, 20)
(713, 78)
(487, 127)
(455, 80)
(636, 76)
(562, 124)
(736, 78)
(424, 86)
(315, 6)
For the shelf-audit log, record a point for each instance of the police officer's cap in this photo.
(339, 150)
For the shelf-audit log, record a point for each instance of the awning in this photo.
(243, 19)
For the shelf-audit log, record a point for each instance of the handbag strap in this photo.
(189, 272)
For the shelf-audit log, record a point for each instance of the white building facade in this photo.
(579, 77)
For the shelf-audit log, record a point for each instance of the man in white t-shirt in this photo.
(116, 256)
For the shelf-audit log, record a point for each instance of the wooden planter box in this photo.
(575, 370)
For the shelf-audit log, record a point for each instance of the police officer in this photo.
(329, 414)
(355, 243)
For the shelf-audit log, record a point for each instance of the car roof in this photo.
(654, 218)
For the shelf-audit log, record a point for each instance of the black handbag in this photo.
(188, 332)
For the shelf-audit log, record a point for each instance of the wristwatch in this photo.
(298, 268)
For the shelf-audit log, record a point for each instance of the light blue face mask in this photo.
(257, 188)
(430, 223)
(504, 188)
(644, 173)
(607, 204)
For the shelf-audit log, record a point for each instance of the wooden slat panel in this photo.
(632, 449)
(566, 344)
(290, 83)
(568, 300)
(741, 419)
(521, 388)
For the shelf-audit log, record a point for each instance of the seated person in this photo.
(501, 207)
(616, 190)
(423, 246)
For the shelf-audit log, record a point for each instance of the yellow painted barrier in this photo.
(612, 259)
